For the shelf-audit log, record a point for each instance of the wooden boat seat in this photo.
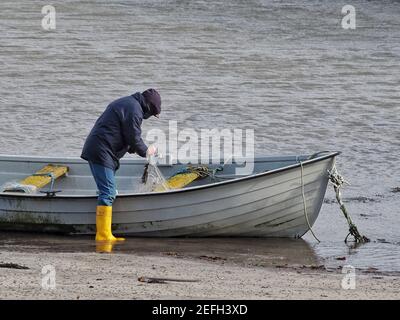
(40, 179)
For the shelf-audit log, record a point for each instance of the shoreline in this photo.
(90, 275)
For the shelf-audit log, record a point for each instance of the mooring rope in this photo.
(337, 181)
(304, 201)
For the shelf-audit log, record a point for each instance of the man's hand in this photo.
(151, 150)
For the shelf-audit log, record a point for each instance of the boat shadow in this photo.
(262, 252)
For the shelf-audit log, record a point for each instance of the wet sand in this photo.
(216, 269)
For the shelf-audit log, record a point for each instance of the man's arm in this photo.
(133, 136)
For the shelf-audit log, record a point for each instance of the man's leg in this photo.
(105, 181)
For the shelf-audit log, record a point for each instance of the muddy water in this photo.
(255, 252)
(285, 69)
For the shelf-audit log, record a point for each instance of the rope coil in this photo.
(201, 171)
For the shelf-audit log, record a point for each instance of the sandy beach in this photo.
(212, 274)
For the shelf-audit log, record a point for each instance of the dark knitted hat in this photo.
(153, 98)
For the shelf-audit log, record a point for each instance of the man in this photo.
(116, 132)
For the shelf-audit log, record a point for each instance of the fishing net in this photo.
(152, 179)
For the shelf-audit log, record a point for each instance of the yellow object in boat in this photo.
(179, 181)
(184, 178)
(42, 177)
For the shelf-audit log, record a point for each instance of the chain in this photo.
(338, 181)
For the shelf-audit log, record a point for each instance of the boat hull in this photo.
(264, 205)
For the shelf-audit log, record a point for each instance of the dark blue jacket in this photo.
(116, 132)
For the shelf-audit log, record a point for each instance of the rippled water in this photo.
(286, 69)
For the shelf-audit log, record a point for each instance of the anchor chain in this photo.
(338, 181)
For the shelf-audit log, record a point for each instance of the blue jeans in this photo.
(105, 181)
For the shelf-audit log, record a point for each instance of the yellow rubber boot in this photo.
(103, 224)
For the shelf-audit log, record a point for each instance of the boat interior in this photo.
(78, 180)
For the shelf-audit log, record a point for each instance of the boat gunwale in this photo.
(169, 192)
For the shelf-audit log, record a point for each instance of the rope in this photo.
(304, 201)
(337, 181)
(201, 171)
(220, 168)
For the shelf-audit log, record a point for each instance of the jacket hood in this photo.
(139, 97)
